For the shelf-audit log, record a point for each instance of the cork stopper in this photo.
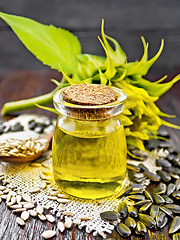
(89, 94)
(92, 102)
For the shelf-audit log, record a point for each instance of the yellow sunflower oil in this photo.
(89, 155)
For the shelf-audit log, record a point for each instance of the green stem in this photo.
(30, 103)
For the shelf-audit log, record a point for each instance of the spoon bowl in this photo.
(24, 159)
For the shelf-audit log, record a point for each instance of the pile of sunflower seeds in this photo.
(21, 148)
(151, 207)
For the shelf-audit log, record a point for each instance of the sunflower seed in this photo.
(177, 184)
(53, 198)
(167, 199)
(43, 185)
(170, 188)
(39, 209)
(140, 203)
(33, 213)
(50, 218)
(176, 236)
(28, 205)
(61, 226)
(137, 197)
(158, 199)
(62, 200)
(130, 222)
(173, 207)
(85, 217)
(35, 164)
(145, 207)
(164, 175)
(16, 206)
(68, 223)
(175, 225)
(26, 197)
(154, 211)
(140, 228)
(123, 230)
(176, 195)
(41, 217)
(34, 190)
(69, 214)
(20, 221)
(48, 234)
(110, 215)
(25, 215)
(147, 220)
(122, 209)
(124, 193)
(54, 193)
(160, 189)
(160, 219)
(18, 198)
(62, 196)
(61, 207)
(166, 210)
(77, 221)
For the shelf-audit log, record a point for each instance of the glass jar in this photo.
(89, 148)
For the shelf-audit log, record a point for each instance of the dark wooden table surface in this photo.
(22, 84)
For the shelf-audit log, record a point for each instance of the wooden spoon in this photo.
(30, 158)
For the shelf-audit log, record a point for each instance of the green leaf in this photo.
(118, 56)
(145, 46)
(154, 88)
(103, 79)
(74, 81)
(49, 44)
(110, 69)
(53, 110)
(142, 67)
(87, 65)
(169, 124)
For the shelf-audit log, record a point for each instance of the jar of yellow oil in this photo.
(89, 145)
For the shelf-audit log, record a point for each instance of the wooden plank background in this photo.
(125, 20)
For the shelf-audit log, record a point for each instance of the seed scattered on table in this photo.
(42, 217)
(48, 234)
(61, 226)
(68, 222)
(26, 197)
(34, 190)
(25, 215)
(33, 213)
(20, 221)
(39, 209)
(50, 218)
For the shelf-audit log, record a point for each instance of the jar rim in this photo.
(90, 112)
(58, 99)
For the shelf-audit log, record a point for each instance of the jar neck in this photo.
(91, 113)
(86, 128)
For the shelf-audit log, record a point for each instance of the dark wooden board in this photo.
(126, 21)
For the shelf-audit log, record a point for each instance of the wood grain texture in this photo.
(15, 85)
(126, 21)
